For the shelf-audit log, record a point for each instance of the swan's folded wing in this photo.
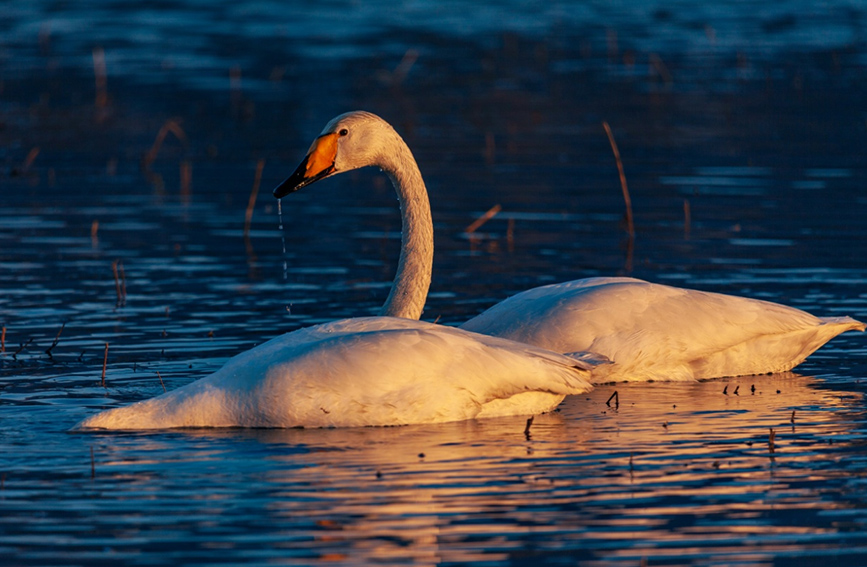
(414, 372)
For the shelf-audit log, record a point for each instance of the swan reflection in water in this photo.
(590, 477)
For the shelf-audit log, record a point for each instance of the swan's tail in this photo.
(847, 323)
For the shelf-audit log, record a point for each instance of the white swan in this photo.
(658, 332)
(649, 331)
(387, 370)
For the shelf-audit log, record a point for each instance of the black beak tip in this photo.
(295, 182)
(281, 191)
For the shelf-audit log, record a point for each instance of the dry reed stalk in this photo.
(490, 148)
(402, 69)
(657, 64)
(104, 364)
(235, 85)
(116, 281)
(629, 224)
(488, 215)
(170, 125)
(28, 161)
(56, 340)
(100, 75)
(616, 397)
(527, 427)
(161, 381)
(248, 214)
(687, 219)
(122, 282)
(771, 436)
(186, 180)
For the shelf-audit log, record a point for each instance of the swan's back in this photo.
(355, 372)
(658, 332)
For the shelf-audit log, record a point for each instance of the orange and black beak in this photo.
(318, 164)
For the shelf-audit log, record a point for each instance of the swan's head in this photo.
(350, 141)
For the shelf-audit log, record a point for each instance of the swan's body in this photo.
(364, 371)
(658, 332)
(386, 370)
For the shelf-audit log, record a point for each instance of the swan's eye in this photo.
(343, 132)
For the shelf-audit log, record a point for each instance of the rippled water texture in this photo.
(130, 137)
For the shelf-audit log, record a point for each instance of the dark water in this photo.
(753, 117)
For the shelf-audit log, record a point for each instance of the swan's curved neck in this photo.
(410, 287)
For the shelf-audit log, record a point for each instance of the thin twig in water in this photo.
(257, 180)
(186, 180)
(738, 387)
(726, 390)
(116, 280)
(657, 64)
(161, 381)
(56, 340)
(122, 282)
(687, 219)
(527, 427)
(489, 214)
(793, 417)
(402, 69)
(616, 397)
(490, 148)
(100, 74)
(3, 340)
(104, 364)
(169, 126)
(28, 162)
(22, 347)
(630, 227)
(771, 436)
(119, 282)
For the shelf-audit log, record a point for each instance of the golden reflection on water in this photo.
(672, 470)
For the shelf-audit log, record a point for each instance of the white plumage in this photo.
(649, 331)
(658, 332)
(363, 371)
(391, 370)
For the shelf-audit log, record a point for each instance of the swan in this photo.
(647, 331)
(386, 370)
(657, 332)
